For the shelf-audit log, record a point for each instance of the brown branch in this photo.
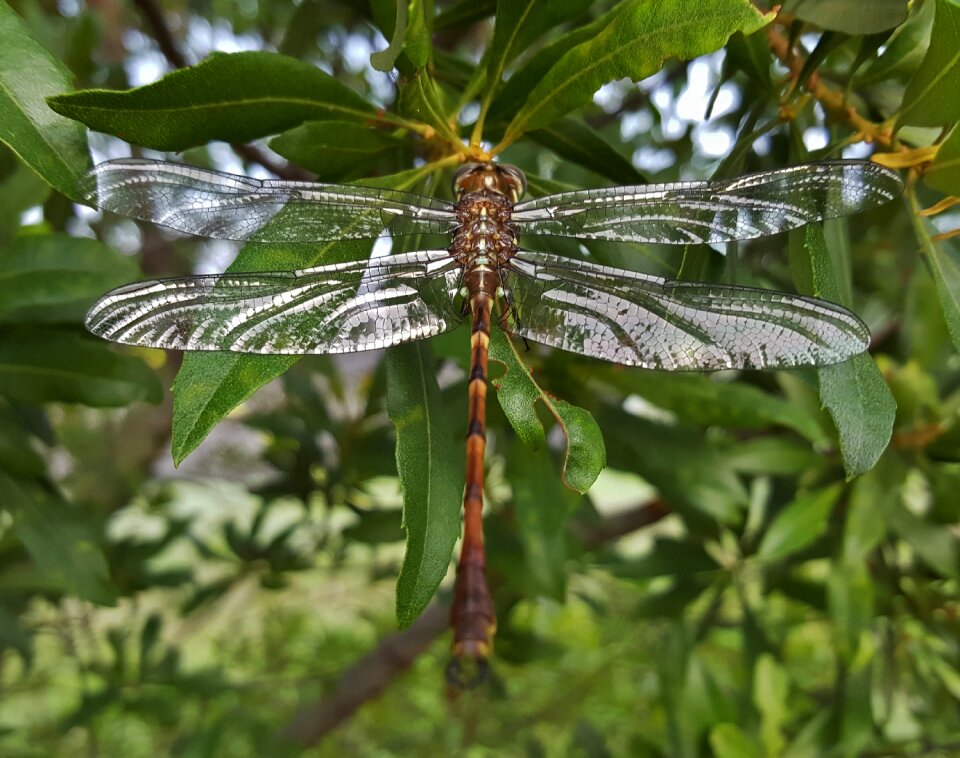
(833, 101)
(161, 33)
(369, 676)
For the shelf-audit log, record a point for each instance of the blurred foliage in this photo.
(769, 564)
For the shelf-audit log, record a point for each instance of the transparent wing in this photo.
(639, 320)
(749, 206)
(226, 206)
(340, 308)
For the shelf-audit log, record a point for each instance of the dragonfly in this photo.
(483, 275)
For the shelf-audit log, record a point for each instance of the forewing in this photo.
(749, 206)
(226, 206)
(639, 320)
(340, 308)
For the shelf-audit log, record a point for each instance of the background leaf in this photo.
(53, 146)
(850, 16)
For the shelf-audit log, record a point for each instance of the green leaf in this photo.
(542, 506)
(730, 741)
(518, 87)
(419, 99)
(233, 97)
(58, 539)
(930, 99)
(338, 150)
(904, 49)
(799, 524)
(519, 23)
(409, 33)
(771, 688)
(713, 401)
(944, 173)
(41, 365)
(518, 394)
(54, 147)
(636, 39)
(943, 263)
(863, 409)
(853, 392)
(431, 475)
(383, 60)
(576, 142)
(54, 278)
(849, 16)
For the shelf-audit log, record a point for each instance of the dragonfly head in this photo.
(497, 177)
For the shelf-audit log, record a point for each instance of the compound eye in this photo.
(461, 173)
(517, 175)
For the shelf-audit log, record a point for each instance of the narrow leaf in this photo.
(638, 37)
(799, 524)
(518, 394)
(943, 262)
(930, 99)
(944, 173)
(53, 146)
(519, 23)
(854, 392)
(431, 475)
(233, 97)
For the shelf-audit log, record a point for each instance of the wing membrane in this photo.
(749, 206)
(338, 308)
(226, 206)
(639, 320)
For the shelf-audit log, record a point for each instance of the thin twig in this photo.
(368, 677)
(833, 101)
